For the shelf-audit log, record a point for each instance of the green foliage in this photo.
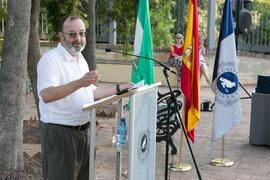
(103, 11)
(219, 12)
(55, 9)
(125, 15)
(3, 9)
(3, 12)
(124, 12)
(1, 47)
(162, 22)
(202, 18)
(262, 22)
(180, 12)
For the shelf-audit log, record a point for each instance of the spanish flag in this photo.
(190, 84)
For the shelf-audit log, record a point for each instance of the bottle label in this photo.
(122, 133)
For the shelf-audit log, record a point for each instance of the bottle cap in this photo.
(123, 119)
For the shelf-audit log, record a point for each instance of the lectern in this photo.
(260, 119)
(141, 145)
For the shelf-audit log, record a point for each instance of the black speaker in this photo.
(245, 18)
(206, 105)
(263, 84)
(245, 21)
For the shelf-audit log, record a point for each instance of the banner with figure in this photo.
(228, 112)
(190, 84)
(143, 68)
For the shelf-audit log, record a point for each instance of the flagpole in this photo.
(182, 124)
(222, 162)
(181, 167)
(181, 146)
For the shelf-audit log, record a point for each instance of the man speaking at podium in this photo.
(64, 85)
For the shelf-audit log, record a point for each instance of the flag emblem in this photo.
(227, 92)
(227, 83)
(188, 54)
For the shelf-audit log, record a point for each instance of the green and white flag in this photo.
(143, 68)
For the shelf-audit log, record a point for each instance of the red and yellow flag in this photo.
(190, 84)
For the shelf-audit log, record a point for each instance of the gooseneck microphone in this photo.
(160, 63)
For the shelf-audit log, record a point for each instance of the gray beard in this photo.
(71, 49)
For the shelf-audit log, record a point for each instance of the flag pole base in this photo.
(180, 167)
(125, 174)
(222, 162)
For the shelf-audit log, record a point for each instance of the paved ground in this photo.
(252, 162)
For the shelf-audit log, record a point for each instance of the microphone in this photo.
(160, 63)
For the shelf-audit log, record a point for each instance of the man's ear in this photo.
(60, 35)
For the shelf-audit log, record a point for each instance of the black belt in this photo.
(79, 127)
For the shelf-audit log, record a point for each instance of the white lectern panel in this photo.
(142, 135)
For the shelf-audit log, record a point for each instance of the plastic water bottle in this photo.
(122, 133)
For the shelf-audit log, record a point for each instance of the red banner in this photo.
(190, 82)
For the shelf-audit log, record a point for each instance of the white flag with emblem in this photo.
(227, 112)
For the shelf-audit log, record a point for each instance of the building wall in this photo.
(114, 67)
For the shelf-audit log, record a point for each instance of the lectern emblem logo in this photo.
(143, 145)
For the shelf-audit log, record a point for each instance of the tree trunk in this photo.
(90, 49)
(12, 83)
(34, 49)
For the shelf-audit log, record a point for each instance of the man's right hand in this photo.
(89, 78)
(54, 93)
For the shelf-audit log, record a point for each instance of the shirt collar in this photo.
(66, 54)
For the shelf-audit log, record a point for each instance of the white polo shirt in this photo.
(58, 67)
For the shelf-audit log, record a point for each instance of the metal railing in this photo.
(257, 40)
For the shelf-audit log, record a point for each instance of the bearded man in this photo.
(64, 86)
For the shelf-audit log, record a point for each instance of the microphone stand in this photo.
(173, 98)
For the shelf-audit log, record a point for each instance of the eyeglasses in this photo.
(74, 34)
(178, 38)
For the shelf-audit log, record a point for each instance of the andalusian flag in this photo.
(228, 112)
(190, 84)
(143, 68)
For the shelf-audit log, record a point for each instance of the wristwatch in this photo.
(117, 87)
